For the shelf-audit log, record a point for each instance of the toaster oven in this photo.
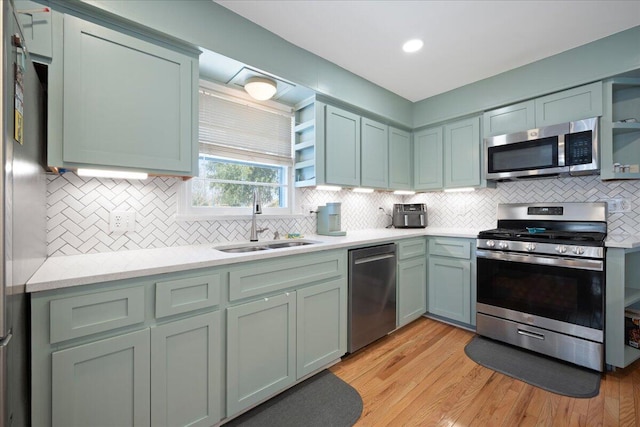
(409, 215)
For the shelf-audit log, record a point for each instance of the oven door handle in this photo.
(581, 264)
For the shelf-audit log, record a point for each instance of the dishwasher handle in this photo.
(373, 258)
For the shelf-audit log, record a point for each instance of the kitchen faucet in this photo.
(257, 209)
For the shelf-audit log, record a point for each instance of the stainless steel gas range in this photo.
(541, 280)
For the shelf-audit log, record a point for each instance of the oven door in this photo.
(555, 293)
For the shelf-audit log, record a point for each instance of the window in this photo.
(243, 146)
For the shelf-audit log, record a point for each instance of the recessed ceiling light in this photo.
(412, 45)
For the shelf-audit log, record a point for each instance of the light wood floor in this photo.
(420, 376)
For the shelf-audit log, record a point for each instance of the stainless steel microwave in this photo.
(562, 149)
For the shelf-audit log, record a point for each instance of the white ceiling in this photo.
(465, 41)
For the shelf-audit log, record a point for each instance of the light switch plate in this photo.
(122, 221)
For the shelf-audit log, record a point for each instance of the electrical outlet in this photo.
(618, 205)
(122, 221)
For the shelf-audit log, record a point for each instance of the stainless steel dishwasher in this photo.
(372, 294)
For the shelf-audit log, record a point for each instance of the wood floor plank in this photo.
(420, 376)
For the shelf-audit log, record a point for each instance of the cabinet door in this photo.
(450, 288)
(342, 147)
(374, 151)
(36, 26)
(127, 102)
(321, 325)
(428, 159)
(412, 289)
(574, 104)
(509, 119)
(261, 350)
(399, 159)
(103, 383)
(186, 371)
(462, 153)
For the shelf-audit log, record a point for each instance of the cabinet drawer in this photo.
(269, 276)
(456, 248)
(183, 295)
(84, 315)
(411, 248)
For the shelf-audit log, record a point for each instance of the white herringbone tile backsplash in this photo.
(78, 210)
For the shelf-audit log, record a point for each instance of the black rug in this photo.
(538, 370)
(323, 400)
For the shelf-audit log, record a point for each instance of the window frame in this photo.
(186, 211)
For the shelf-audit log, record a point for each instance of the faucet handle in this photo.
(260, 230)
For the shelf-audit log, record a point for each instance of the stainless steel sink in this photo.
(241, 249)
(289, 244)
(265, 246)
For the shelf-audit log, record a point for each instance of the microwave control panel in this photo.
(578, 148)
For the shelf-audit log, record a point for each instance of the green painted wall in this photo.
(206, 24)
(602, 58)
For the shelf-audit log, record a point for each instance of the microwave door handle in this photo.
(561, 159)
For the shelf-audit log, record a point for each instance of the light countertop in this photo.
(74, 270)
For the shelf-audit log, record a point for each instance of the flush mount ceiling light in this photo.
(260, 88)
(413, 45)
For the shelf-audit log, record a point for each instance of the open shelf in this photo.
(631, 296)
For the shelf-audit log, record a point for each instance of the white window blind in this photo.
(234, 129)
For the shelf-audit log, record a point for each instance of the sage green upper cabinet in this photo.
(342, 147)
(569, 105)
(399, 159)
(36, 26)
(374, 152)
(428, 159)
(462, 153)
(128, 103)
(509, 119)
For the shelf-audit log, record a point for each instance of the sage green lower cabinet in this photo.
(136, 352)
(261, 358)
(321, 316)
(186, 372)
(411, 280)
(622, 292)
(451, 279)
(102, 383)
(286, 319)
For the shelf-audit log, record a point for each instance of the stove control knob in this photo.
(491, 243)
(578, 250)
(504, 245)
(530, 247)
(561, 249)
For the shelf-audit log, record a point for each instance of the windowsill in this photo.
(211, 217)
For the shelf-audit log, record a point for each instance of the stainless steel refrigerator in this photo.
(22, 210)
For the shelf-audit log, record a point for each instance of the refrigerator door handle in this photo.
(5, 340)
